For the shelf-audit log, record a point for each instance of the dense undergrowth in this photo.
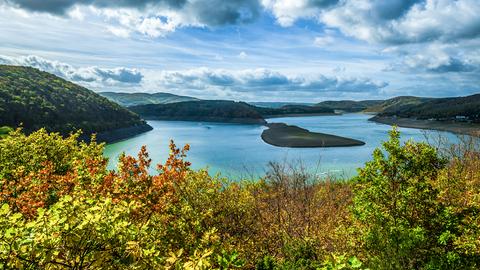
(412, 207)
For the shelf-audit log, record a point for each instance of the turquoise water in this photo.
(237, 150)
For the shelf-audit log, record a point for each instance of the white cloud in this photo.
(323, 41)
(260, 80)
(210, 82)
(288, 11)
(389, 22)
(402, 21)
(76, 13)
(154, 18)
(242, 55)
(436, 58)
(89, 76)
(119, 31)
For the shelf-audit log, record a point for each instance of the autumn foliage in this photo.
(412, 206)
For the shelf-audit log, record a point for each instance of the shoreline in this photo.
(299, 115)
(256, 121)
(283, 135)
(120, 134)
(209, 119)
(448, 126)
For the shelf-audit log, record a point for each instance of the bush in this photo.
(60, 208)
(415, 209)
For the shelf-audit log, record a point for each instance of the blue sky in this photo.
(253, 50)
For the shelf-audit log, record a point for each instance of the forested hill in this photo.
(294, 110)
(349, 105)
(463, 109)
(37, 99)
(204, 110)
(222, 111)
(455, 108)
(397, 104)
(134, 99)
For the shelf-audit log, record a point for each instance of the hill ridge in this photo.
(36, 99)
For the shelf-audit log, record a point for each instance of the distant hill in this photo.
(277, 105)
(204, 110)
(39, 99)
(455, 108)
(397, 104)
(293, 110)
(222, 111)
(134, 99)
(349, 105)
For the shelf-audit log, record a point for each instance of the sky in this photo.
(251, 50)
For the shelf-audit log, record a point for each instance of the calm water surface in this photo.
(237, 150)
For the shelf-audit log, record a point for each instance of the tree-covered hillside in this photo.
(293, 110)
(134, 99)
(205, 110)
(221, 111)
(279, 104)
(37, 99)
(349, 105)
(397, 104)
(458, 108)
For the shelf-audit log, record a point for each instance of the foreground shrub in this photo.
(458, 188)
(296, 209)
(61, 208)
(76, 234)
(415, 210)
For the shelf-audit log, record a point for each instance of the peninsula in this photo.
(283, 135)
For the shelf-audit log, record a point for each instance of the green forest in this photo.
(134, 99)
(465, 109)
(203, 110)
(35, 99)
(413, 206)
(221, 110)
(468, 108)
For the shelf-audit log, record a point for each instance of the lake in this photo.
(237, 150)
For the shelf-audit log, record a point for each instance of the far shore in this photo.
(283, 135)
(449, 126)
(255, 121)
(299, 115)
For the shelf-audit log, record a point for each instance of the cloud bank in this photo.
(431, 39)
(388, 22)
(152, 18)
(213, 83)
(262, 80)
(406, 21)
(89, 76)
